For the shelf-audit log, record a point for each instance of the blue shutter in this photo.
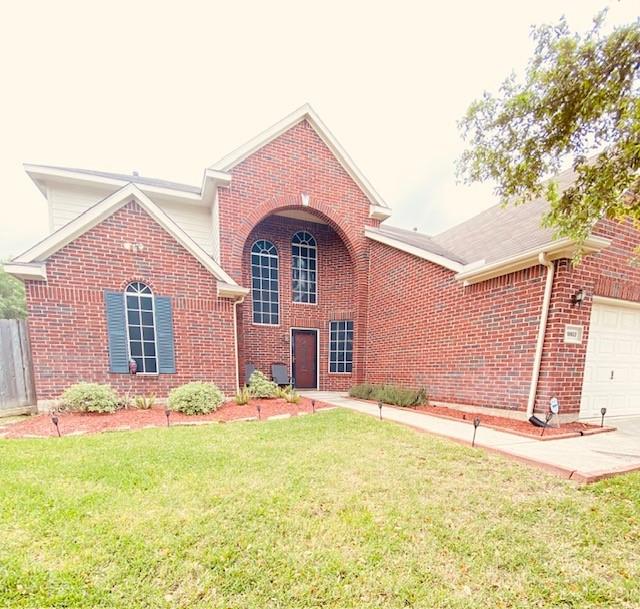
(117, 332)
(164, 335)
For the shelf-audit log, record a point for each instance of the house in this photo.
(282, 255)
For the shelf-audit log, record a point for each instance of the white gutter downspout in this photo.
(544, 314)
(235, 339)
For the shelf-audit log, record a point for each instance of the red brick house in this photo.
(280, 257)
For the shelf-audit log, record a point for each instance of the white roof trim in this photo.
(102, 210)
(560, 248)
(34, 271)
(227, 290)
(452, 265)
(42, 172)
(305, 112)
(379, 213)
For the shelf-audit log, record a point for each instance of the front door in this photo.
(304, 353)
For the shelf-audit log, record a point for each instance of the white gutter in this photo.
(542, 327)
(560, 248)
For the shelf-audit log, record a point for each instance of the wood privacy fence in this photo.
(17, 390)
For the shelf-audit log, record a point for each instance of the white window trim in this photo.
(317, 331)
(155, 329)
(353, 331)
(277, 256)
(317, 271)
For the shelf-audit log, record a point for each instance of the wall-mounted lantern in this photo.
(578, 297)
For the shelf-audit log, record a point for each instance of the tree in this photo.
(579, 100)
(13, 303)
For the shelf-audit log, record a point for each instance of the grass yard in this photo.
(328, 510)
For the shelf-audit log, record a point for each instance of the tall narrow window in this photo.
(264, 283)
(304, 255)
(141, 327)
(341, 346)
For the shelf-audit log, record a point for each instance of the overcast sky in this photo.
(166, 88)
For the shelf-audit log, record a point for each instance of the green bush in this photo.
(145, 402)
(261, 387)
(90, 397)
(243, 396)
(364, 391)
(390, 394)
(195, 398)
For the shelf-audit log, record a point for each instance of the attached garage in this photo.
(612, 365)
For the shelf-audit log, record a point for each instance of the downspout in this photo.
(235, 339)
(544, 314)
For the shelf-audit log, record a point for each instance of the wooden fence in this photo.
(17, 391)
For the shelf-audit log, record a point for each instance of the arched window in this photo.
(304, 255)
(141, 327)
(264, 282)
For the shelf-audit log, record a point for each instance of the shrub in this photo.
(261, 387)
(292, 396)
(195, 398)
(390, 394)
(90, 397)
(144, 402)
(243, 396)
(364, 391)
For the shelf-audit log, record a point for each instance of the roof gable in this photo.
(93, 216)
(303, 113)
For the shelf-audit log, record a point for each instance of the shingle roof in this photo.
(131, 178)
(496, 233)
(416, 239)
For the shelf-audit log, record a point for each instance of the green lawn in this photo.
(328, 510)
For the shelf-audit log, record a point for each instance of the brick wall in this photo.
(610, 273)
(475, 345)
(264, 345)
(67, 323)
(273, 179)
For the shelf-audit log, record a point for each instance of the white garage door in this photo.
(612, 366)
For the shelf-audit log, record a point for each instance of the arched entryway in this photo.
(306, 306)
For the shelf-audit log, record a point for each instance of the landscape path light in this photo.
(476, 424)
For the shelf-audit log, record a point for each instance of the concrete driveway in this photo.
(585, 459)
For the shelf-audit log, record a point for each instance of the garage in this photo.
(612, 365)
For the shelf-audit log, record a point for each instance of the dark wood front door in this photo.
(304, 353)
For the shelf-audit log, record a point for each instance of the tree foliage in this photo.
(579, 100)
(13, 303)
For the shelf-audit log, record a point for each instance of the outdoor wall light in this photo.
(603, 411)
(578, 297)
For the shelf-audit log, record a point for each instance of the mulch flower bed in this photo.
(515, 426)
(78, 423)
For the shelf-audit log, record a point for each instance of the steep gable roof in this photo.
(91, 217)
(305, 112)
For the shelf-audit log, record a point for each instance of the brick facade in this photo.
(274, 179)
(475, 345)
(414, 324)
(264, 345)
(66, 315)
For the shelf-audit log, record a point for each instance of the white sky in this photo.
(167, 88)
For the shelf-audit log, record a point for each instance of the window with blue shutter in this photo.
(140, 328)
(164, 326)
(117, 332)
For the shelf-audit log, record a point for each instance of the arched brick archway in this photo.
(268, 344)
(355, 244)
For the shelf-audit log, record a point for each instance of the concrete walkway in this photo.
(585, 459)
